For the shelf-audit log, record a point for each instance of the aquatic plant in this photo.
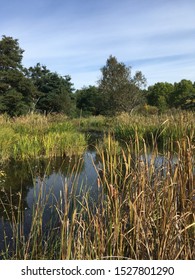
(165, 129)
(145, 209)
(34, 136)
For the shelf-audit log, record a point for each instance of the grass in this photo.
(144, 210)
(151, 207)
(164, 129)
(37, 136)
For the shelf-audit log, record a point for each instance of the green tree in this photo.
(10, 54)
(119, 91)
(159, 95)
(54, 92)
(139, 80)
(183, 94)
(15, 88)
(88, 100)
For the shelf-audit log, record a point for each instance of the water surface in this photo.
(46, 180)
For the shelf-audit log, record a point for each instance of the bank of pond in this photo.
(97, 188)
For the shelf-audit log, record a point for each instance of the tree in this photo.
(139, 79)
(88, 100)
(15, 88)
(184, 91)
(119, 92)
(10, 54)
(54, 92)
(159, 95)
(13, 103)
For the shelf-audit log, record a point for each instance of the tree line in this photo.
(37, 89)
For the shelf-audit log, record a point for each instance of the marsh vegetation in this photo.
(127, 195)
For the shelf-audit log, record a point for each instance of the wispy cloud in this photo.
(76, 37)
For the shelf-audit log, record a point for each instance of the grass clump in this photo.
(34, 136)
(164, 129)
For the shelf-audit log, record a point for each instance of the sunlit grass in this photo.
(144, 210)
(164, 128)
(35, 136)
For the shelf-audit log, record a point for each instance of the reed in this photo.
(151, 206)
(145, 209)
(35, 136)
(166, 128)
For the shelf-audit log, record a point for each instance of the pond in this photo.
(46, 183)
(24, 181)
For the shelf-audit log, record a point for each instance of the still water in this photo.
(25, 181)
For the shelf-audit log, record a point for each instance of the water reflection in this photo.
(23, 182)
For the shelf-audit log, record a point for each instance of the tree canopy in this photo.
(15, 88)
(54, 92)
(39, 89)
(88, 100)
(119, 91)
(159, 95)
(166, 96)
(26, 90)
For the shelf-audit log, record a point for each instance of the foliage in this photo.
(38, 89)
(89, 100)
(27, 90)
(54, 92)
(10, 53)
(159, 95)
(166, 95)
(148, 110)
(15, 88)
(119, 92)
(184, 91)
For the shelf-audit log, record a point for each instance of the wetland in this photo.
(97, 187)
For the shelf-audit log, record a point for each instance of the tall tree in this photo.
(139, 80)
(15, 88)
(119, 91)
(54, 92)
(10, 54)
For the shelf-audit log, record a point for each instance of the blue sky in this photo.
(75, 37)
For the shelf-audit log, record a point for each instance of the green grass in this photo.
(36, 136)
(163, 128)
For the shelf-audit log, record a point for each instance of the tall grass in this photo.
(152, 207)
(165, 129)
(36, 136)
(145, 210)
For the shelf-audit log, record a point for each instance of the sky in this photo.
(76, 37)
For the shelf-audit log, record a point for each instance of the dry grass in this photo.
(145, 210)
